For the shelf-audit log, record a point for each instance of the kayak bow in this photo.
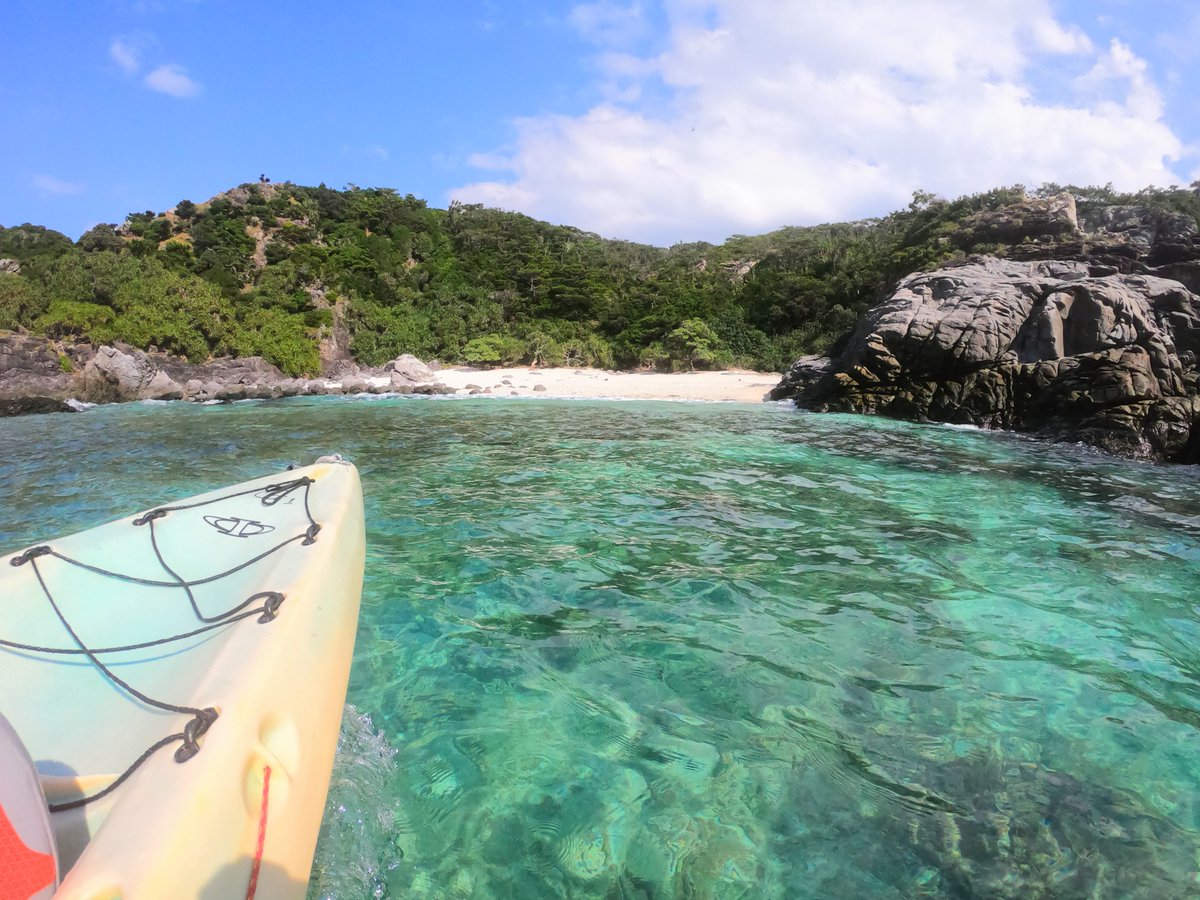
(178, 678)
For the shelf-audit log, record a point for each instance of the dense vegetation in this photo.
(271, 269)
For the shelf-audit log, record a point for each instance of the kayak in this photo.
(178, 678)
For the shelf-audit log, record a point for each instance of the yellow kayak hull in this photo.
(247, 807)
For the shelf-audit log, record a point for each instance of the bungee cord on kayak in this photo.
(271, 601)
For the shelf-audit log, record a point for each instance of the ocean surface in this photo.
(659, 650)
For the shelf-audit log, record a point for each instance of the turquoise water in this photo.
(650, 650)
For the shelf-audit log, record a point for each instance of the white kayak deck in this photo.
(80, 727)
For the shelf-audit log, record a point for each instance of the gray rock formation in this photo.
(161, 386)
(1054, 218)
(24, 406)
(803, 374)
(1157, 236)
(1125, 238)
(410, 370)
(112, 376)
(1045, 347)
(33, 367)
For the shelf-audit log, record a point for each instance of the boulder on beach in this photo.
(410, 369)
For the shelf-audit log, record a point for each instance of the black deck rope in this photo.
(274, 493)
(204, 717)
(201, 718)
(304, 537)
(272, 600)
(186, 587)
(120, 779)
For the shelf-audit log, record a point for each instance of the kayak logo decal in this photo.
(238, 527)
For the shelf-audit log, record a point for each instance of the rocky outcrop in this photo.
(113, 376)
(333, 346)
(804, 373)
(408, 368)
(33, 368)
(1050, 347)
(1154, 236)
(1125, 238)
(25, 406)
(1043, 220)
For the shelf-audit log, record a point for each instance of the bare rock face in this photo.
(118, 374)
(1044, 347)
(31, 367)
(161, 386)
(1125, 238)
(408, 368)
(1157, 236)
(1035, 219)
(804, 372)
(112, 376)
(25, 406)
(334, 344)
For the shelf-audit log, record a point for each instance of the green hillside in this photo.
(271, 269)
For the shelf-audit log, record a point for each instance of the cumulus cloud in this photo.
(798, 113)
(125, 54)
(375, 151)
(49, 186)
(607, 22)
(171, 79)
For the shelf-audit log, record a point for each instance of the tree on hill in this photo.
(255, 269)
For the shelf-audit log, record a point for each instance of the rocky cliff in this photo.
(1088, 329)
(1068, 349)
(1125, 238)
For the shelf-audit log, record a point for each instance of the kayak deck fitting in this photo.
(178, 678)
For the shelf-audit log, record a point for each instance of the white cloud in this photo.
(607, 22)
(799, 113)
(172, 79)
(125, 54)
(1118, 68)
(49, 186)
(377, 151)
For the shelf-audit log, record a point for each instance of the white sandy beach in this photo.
(522, 381)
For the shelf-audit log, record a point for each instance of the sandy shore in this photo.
(735, 384)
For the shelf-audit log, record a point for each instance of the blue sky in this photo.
(651, 120)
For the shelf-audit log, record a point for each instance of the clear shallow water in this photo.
(671, 650)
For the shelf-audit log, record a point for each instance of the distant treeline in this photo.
(270, 269)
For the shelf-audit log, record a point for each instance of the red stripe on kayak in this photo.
(23, 872)
(262, 835)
